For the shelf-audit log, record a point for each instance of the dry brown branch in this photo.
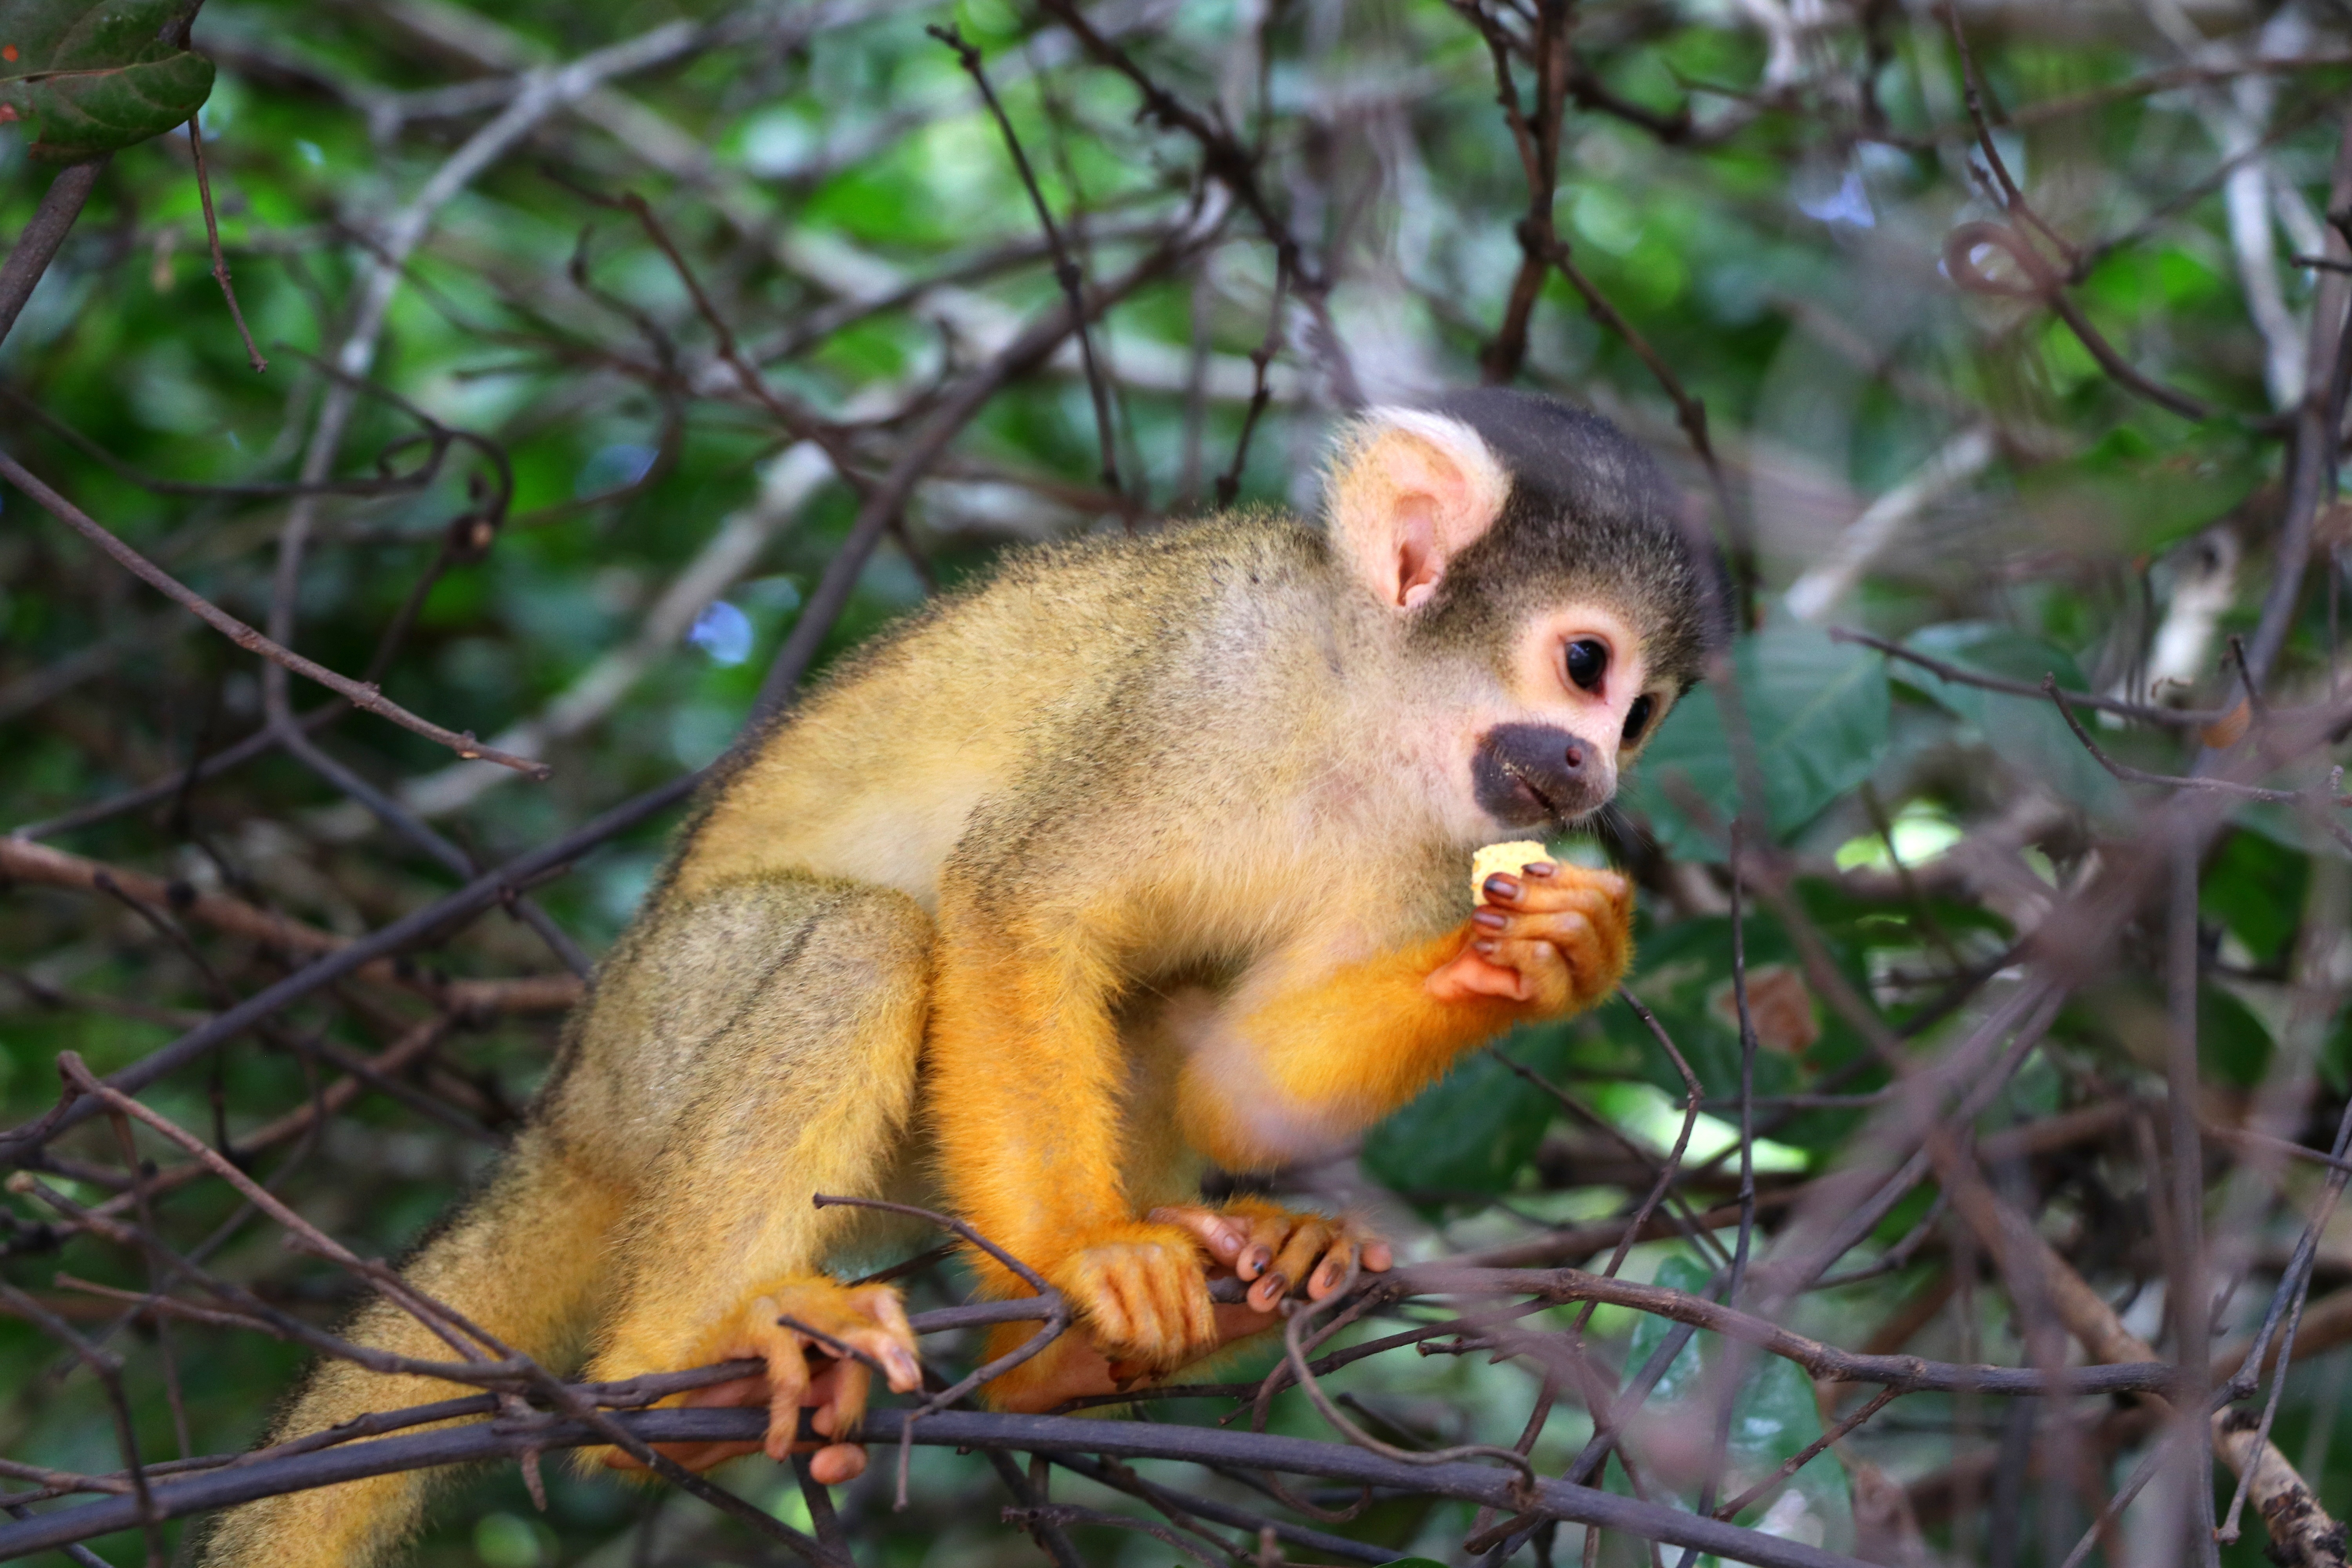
(25, 861)
(220, 263)
(361, 694)
(37, 245)
(2301, 1533)
(2070, 938)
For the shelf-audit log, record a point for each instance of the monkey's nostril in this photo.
(1573, 757)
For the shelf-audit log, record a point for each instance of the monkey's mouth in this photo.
(1534, 792)
(1522, 776)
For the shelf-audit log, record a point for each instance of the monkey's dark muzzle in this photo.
(1531, 774)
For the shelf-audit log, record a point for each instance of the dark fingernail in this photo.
(1259, 1260)
(1485, 949)
(1500, 886)
(1493, 920)
(1538, 869)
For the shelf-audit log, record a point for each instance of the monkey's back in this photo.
(875, 776)
(873, 780)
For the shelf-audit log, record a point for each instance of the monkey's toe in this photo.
(819, 1342)
(1280, 1251)
(1141, 1293)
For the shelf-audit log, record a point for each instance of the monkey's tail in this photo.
(522, 1261)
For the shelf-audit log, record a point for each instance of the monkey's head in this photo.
(1533, 575)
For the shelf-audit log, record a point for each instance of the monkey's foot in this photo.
(816, 1337)
(1557, 938)
(1279, 1249)
(1140, 1292)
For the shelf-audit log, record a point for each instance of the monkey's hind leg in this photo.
(522, 1261)
(807, 1087)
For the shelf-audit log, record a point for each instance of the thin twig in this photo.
(220, 263)
(366, 697)
(1067, 272)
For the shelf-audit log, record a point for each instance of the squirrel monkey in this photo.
(1147, 853)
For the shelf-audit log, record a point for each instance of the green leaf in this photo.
(2255, 886)
(98, 77)
(2233, 1045)
(1817, 715)
(2335, 1053)
(1773, 1419)
(1471, 1130)
(2027, 733)
(1682, 1375)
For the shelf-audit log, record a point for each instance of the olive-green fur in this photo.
(1203, 745)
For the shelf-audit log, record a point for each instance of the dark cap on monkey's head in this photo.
(1589, 512)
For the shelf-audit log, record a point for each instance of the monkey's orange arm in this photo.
(1333, 1054)
(1024, 1067)
(1337, 1055)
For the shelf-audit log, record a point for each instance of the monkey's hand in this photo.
(1556, 938)
(1141, 1293)
(1277, 1250)
(806, 1372)
(1273, 1247)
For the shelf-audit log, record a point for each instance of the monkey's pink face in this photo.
(1582, 700)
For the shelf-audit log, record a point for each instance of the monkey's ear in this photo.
(1409, 491)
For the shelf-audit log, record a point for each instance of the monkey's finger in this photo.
(1601, 945)
(695, 1457)
(1553, 880)
(1223, 1237)
(1353, 1248)
(1588, 948)
(1477, 971)
(836, 1463)
(892, 1353)
(1272, 1231)
(691, 1456)
(1563, 889)
(785, 1352)
(1259, 1228)
(841, 1398)
(1306, 1245)
(1542, 972)
(1182, 1318)
(1199, 1312)
(881, 1304)
(1267, 1291)
(735, 1391)
(1264, 1227)
(891, 1341)
(710, 1455)
(1519, 921)
(1111, 1315)
(1339, 1261)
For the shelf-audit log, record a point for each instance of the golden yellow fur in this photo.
(1146, 852)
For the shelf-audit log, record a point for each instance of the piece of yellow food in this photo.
(1508, 858)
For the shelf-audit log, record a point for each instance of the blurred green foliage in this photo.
(854, 218)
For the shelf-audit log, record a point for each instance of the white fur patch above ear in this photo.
(1410, 491)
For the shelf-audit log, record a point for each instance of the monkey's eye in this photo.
(1587, 660)
(1637, 718)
